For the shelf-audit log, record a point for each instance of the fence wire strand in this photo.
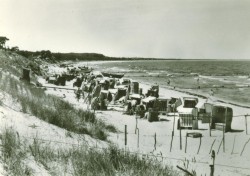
(136, 153)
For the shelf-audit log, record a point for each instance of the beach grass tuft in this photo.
(13, 153)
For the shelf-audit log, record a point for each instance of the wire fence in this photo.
(132, 152)
(149, 136)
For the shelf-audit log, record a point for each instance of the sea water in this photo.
(230, 79)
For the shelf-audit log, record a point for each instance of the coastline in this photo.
(190, 80)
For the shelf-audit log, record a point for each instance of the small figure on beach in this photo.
(140, 110)
(168, 81)
(128, 109)
(211, 94)
(198, 83)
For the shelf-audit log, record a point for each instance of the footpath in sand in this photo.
(154, 139)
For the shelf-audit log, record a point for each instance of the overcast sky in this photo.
(130, 28)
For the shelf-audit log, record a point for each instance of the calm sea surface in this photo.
(201, 67)
(230, 79)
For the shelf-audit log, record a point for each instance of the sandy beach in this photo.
(228, 162)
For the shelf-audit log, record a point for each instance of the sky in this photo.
(193, 29)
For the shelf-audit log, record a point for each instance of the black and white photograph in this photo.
(125, 87)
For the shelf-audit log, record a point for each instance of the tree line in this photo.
(50, 56)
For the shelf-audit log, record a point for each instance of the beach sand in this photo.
(230, 162)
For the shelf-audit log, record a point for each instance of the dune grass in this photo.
(54, 110)
(81, 160)
(113, 161)
(13, 154)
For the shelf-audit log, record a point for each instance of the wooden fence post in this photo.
(224, 138)
(210, 123)
(246, 122)
(233, 145)
(171, 141)
(212, 163)
(186, 143)
(199, 145)
(136, 122)
(174, 123)
(155, 141)
(138, 137)
(212, 146)
(180, 139)
(244, 147)
(185, 170)
(220, 146)
(224, 130)
(125, 135)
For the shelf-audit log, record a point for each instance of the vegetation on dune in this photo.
(81, 160)
(12, 62)
(54, 110)
(47, 107)
(13, 153)
(113, 161)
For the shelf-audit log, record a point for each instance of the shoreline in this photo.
(192, 90)
(217, 99)
(203, 96)
(98, 66)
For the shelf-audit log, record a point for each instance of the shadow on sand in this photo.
(235, 131)
(160, 120)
